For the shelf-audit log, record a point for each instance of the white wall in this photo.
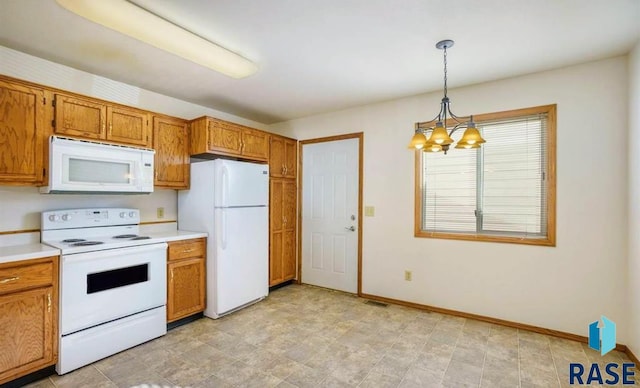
(27, 67)
(20, 206)
(564, 287)
(634, 202)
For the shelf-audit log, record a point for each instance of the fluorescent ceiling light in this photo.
(131, 20)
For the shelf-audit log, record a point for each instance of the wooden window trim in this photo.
(550, 239)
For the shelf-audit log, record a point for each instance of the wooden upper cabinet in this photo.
(283, 157)
(276, 156)
(291, 158)
(80, 117)
(224, 137)
(129, 126)
(218, 137)
(93, 119)
(171, 143)
(23, 134)
(255, 144)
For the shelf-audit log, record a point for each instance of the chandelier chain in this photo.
(445, 71)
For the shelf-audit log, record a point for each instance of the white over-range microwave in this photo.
(80, 166)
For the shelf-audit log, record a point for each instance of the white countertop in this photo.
(26, 252)
(25, 248)
(175, 235)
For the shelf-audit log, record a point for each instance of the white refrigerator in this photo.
(229, 200)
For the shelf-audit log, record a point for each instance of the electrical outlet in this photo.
(160, 212)
(369, 211)
(407, 276)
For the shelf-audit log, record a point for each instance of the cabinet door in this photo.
(129, 126)
(186, 288)
(276, 223)
(289, 211)
(224, 137)
(26, 332)
(80, 117)
(291, 158)
(255, 144)
(289, 264)
(276, 156)
(275, 258)
(171, 143)
(22, 134)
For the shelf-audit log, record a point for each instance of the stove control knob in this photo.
(66, 217)
(132, 214)
(54, 218)
(123, 215)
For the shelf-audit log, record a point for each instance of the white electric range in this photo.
(112, 283)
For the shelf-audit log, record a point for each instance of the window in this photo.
(503, 191)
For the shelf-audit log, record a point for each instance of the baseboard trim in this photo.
(632, 357)
(497, 321)
(30, 378)
(184, 321)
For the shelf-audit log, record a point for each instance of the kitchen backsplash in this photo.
(20, 207)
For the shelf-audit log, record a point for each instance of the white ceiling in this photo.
(319, 56)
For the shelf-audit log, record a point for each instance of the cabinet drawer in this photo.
(25, 276)
(186, 249)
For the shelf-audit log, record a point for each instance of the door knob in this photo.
(351, 228)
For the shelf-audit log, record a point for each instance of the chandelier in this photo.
(438, 138)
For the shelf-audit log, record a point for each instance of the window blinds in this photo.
(499, 188)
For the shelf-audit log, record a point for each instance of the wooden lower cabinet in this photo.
(186, 278)
(28, 317)
(282, 230)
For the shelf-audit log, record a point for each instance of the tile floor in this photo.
(302, 336)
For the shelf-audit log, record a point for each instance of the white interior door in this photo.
(330, 214)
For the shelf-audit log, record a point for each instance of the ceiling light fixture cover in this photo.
(440, 139)
(131, 20)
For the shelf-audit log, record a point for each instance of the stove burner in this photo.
(86, 243)
(141, 238)
(73, 240)
(126, 236)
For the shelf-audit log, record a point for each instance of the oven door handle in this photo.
(88, 256)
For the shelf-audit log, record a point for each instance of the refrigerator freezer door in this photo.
(242, 258)
(241, 184)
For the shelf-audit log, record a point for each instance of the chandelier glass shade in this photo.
(438, 138)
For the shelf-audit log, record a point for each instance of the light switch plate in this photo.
(369, 211)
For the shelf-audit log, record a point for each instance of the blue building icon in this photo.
(602, 338)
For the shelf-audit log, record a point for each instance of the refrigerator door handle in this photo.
(225, 185)
(223, 228)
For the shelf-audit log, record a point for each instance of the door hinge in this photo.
(44, 100)
(544, 176)
(53, 102)
(53, 123)
(44, 172)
